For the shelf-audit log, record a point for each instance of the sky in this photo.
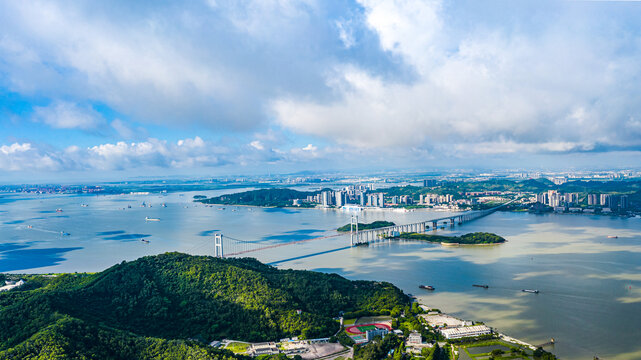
(122, 89)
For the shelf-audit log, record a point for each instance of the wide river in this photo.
(590, 285)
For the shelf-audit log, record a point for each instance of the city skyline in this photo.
(91, 91)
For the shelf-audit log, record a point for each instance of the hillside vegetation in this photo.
(263, 197)
(366, 226)
(150, 307)
(467, 239)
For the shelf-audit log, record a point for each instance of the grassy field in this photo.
(237, 347)
(366, 328)
(482, 350)
(373, 319)
(348, 322)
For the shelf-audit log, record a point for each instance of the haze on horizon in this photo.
(92, 90)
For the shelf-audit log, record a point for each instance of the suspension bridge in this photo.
(228, 246)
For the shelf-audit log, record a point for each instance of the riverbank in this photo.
(445, 323)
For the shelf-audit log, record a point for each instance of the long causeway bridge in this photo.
(366, 236)
(228, 246)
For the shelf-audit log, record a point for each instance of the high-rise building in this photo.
(554, 198)
(326, 198)
(592, 199)
(605, 200)
(362, 199)
(429, 182)
(381, 201)
(339, 198)
(623, 202)
(571, 198)
(372, 200)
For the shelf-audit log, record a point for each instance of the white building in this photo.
(414, 338)
(466, 331)
(264, 349)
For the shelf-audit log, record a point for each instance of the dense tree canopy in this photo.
(468, 239)
(157, 302)
(366, 226)
(263, 197)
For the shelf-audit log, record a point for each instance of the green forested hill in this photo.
(150, 306)
(263, 197)
(467, 239)
(362, 226)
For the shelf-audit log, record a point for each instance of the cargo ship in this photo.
(426, 287)
(481, 286)
(530, 291)
(151, 219)
(612, 237)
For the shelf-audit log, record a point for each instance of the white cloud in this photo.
(66, 115)
(408, 28)
(153, 153)
(189, 153)
(214, 64)
(257, 145)
(346, 33)
(309, 147)
(126, 131)
(23, 156)
(490, 90)
(423, 77)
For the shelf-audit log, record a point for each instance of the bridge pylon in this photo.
(218, 246)
(353, 224)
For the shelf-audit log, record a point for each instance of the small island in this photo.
(366, 226)
(476, 238)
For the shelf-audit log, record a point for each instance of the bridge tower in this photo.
(218, 245)
(353, 224)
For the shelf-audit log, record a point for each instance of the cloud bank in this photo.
(491, 91)
(379, 79)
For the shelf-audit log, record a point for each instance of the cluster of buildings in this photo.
(609, 201)
(435, 199)
(355, 194)
(454, 328)
(554, 198)
(570, 201)
(365, 196)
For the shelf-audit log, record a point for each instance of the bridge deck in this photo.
(468, 216)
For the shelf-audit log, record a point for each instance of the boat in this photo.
(612, 237)
(128, 206)
(145, 241)
(64, 233)
(362, 244)
(29, 226)
(58, 210)
(147, 218)
(481, 286)
(530, 291)
(426, 287)
(84, 205)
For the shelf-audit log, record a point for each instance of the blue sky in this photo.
(122, 89)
